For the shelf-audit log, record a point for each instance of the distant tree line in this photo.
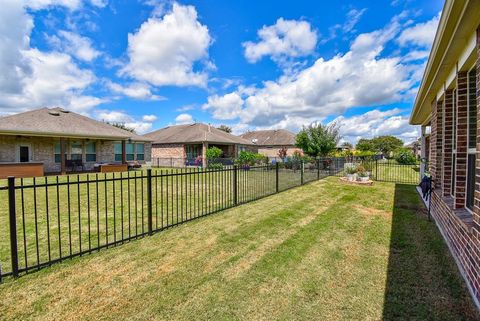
(381, 144)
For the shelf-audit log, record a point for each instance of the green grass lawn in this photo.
(392, 172)
(65, 220)
(323, 251)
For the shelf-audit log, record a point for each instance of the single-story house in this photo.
(181, 145)
(269, 142)
(54, 139)
(447, 105)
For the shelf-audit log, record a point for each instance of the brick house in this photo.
(49, 138)
(183, 144)
(447, 107)
(269, 142)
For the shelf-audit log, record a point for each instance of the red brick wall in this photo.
(460, 228)
(462, 237)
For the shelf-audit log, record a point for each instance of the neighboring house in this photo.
(448, 103)
(269, 142)
(40, 137)
(184, 144)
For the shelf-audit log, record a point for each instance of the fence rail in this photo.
(50, 219)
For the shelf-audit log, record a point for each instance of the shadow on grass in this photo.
(423, 282)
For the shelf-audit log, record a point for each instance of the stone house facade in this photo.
(86, 141)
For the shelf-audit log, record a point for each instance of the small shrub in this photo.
(405, 156)
(215, 166)
(368, 166)
(213, 153)
(350, 170)
(249, 159)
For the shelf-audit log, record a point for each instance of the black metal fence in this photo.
(50, 219)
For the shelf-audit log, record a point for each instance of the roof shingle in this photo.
(273, 137)
(194, 133)
(57, 122)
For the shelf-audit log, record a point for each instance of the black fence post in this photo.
(235, 192)
(376, 169)
(302, 171)
(318, 169)
(149, 201)
(276, 177)
(13, 225)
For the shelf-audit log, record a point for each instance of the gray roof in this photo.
(273, 137)
(57, 122)
(194, 133)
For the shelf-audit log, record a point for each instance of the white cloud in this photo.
(165, 49)
(99, 3)
(353, 17)
(140, 126)
(149, 118)
(184, 119)
(376, 123)
(42, 4)
(70, 4)
(74, 44)
(360, 77)
(225, 107)
(286, 38)
(136, 90)
(30, 78)
(54, 80)
(421, 34)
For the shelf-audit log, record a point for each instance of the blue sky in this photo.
(247, 64)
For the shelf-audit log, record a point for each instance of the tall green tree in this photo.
(122, 126)
(225, 128)
(365, 145)
(387, 144)
(318, 139)
(347, 145)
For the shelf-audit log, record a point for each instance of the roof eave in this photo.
(61, 135)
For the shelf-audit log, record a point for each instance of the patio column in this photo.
(124, 152)
(62, 156)
(423, 151)
(204, 154)
(436, 144)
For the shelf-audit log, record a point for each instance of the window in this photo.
(140, 151)
(57, 151)
(454, 143)
(472, 137)
(24, 154)
(130, 151)
(193, 151)
(76, 151)
(118, 151)
(91, 152)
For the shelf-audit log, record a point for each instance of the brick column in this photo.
(436, 144)
(447, 142)
(462, 139)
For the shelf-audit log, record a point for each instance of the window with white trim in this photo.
(472, 137)
(454, 143)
